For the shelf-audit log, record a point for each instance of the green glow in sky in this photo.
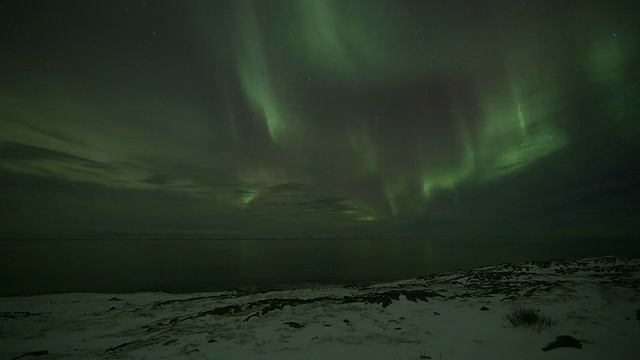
(337, 37)
(506, 144)
(257, 81)
(297, 115)
(609, 60)
(247, 196)
(364, 149)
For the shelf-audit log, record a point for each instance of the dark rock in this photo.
(250, 316)
(275, 305)
(231, 309)
(212, 340)
(278, 304)
(295, 325)
(32, 353)
(168, 302)
(186, 350)
(13, 315)
(169, 342)
(354, 286)
(346, 321)
(436, 313)
(383, 299)
(112, 308)
(423, 295)
(484, 308)
(326, 325)
(563, 341)
(115, 299)
(638, 314)
(123, 345)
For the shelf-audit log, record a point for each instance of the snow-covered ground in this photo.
(594, 305)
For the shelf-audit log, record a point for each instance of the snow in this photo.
(594, 301)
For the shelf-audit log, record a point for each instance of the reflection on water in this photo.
(29, 267)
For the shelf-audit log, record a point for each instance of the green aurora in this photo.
(326, 118)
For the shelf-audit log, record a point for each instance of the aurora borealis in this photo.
(328, 118)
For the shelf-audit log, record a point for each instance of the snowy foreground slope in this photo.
(594, 304)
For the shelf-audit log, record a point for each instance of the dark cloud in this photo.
(23, 152)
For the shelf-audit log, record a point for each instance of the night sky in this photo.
(320, 118)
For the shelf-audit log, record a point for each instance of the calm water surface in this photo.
(39, 266)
